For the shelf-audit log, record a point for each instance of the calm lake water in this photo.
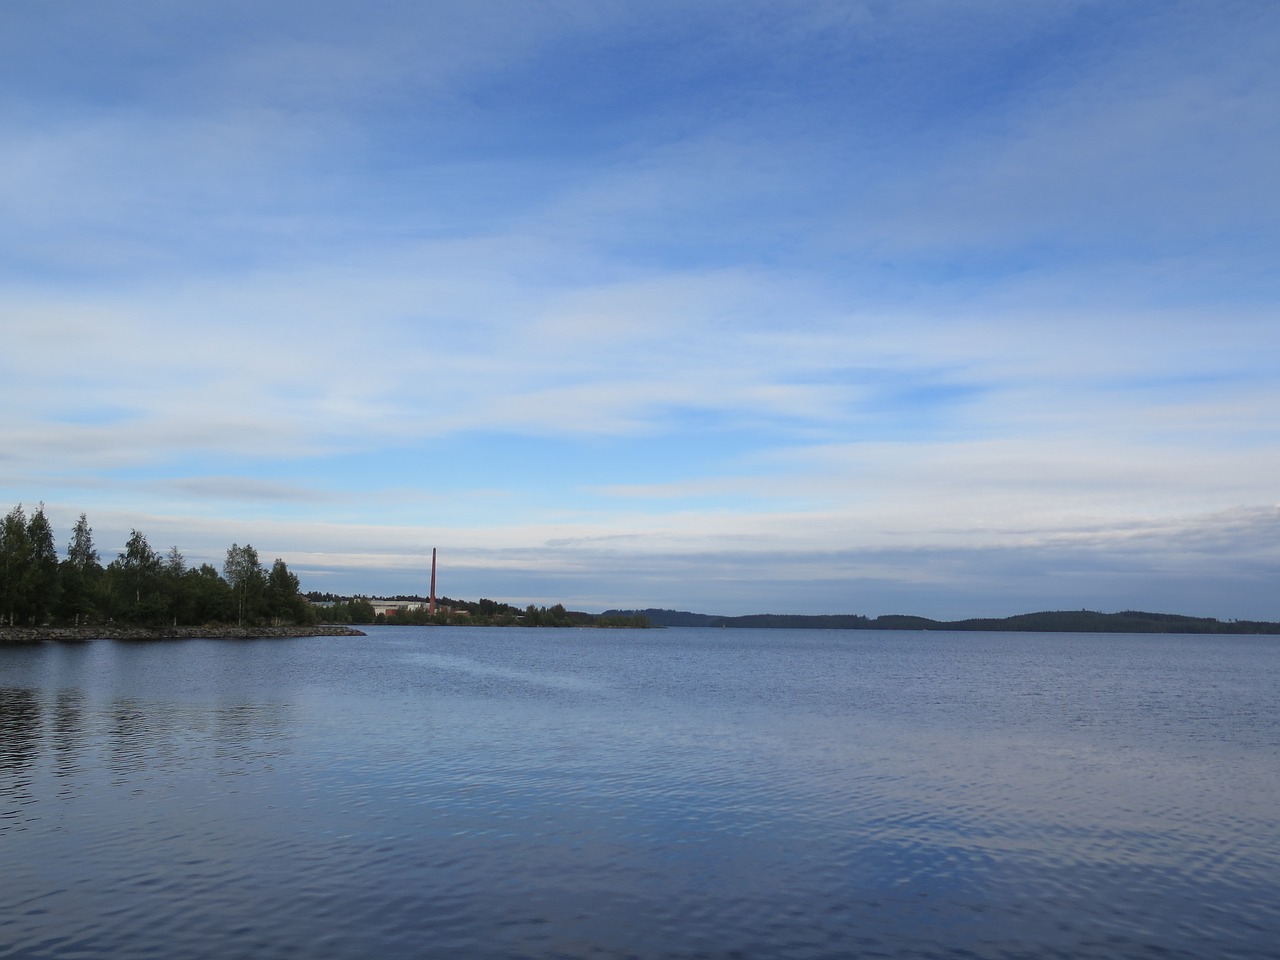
(440, 792)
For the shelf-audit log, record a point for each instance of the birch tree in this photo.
(244, 573)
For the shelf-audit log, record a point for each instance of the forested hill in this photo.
(1054, 621)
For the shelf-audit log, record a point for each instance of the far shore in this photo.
(17, 635)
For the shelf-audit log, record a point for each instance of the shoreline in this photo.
(24, 635)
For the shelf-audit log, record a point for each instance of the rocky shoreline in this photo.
(16, 635)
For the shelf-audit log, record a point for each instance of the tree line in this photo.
(1046, 621)
(450, 612)
(140, 586)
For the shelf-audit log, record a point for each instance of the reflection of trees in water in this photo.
(68, 722)
(22, 734)
(51, 741)
(68, 738)
(19, 727)
(131, 734)
(19, 736)
(23, 738)
(159, 736)
(248, 735)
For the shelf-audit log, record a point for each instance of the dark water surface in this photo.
(439, 792)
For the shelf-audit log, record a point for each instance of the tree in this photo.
(243, 572)
(81, 575)
(338, 612)
(175, 564)
(43, 587)
(209, 595)
(361, 610)
(281, 595)
(15, 564)
(173, 569)
(80, 551)
(134, 581)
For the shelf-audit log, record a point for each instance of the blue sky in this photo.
(950, 308)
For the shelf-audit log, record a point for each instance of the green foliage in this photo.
(336, 612)
(355, 610)
(43, 583)
(82, 593)
(361, 610)
(139, 586)
(81, 576)
(135, 591)
(483, 613)
(635, 621)
(80, 551)
(206, 597)
(29, 583)
(281, 596)
(15, 567)
(556, 616)
(248, 583)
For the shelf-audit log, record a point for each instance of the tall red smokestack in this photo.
(432, 609)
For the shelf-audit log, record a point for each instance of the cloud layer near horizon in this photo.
(940, 308)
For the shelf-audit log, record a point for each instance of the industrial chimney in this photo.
(432, 608)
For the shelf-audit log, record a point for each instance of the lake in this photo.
(682, 793)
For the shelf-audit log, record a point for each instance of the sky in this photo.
(962, 308)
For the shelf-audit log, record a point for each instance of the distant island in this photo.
(1050, 621)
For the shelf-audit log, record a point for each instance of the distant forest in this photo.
(140, 586)
(1056, 621)
(480, 613)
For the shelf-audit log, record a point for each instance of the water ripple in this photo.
(496, 794)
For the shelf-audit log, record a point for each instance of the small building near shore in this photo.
(389, 607)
